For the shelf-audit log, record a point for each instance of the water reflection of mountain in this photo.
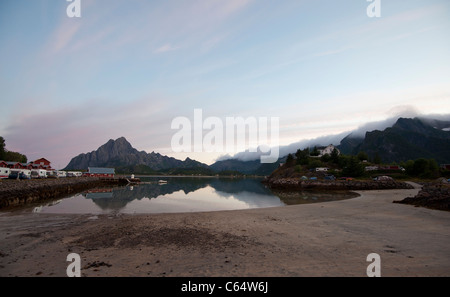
(234, 186)
(118, 198)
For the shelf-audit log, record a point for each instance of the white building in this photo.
(371, 168)
(327, 150)
(321, 169)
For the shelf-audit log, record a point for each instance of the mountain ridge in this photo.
(120, 153)
(406, 139)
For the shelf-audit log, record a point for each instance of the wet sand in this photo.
(322, 239)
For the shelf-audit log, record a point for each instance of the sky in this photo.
(129, 68)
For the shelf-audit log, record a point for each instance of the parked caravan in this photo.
(321, 169)
(60, 173)
(26, 173)
(16, 173)
(20, 173)
(4, 172)
(38, 173)
(51, 174)
(74, 174)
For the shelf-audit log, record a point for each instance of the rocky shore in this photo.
(354, 185)
(15, 193)
(432, 195)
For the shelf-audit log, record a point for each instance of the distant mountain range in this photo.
(406, 139)
(120, 153)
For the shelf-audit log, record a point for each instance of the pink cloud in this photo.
(61, 134)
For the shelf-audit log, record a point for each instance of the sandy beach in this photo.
(322, 239)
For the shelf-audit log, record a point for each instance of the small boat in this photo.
(162, 181)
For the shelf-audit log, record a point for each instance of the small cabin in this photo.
(445, 166)
(15, 165)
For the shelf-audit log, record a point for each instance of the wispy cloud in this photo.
(165, 48)
(63, 36)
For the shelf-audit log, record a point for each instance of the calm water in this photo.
(183, 194)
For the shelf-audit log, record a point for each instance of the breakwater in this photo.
(15, 193)
(296, 183)
(432, 195)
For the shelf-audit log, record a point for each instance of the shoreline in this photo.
(17, 193)
(349, 185)
(323, 239)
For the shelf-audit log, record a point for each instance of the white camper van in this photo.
(38, 173)
(21, 173)
(61, 173)
(74, 174)
(321, 169)
(27, 173)
(4, 172)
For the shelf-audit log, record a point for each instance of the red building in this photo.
(41, 163)
(100, 172)
(16, 165)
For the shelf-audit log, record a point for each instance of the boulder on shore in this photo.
(434, 195)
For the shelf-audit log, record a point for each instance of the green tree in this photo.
(425, 168)
(433, 169)
(377, 158)
(362, 156)
(409, 166)
(6, 155)
(420, 167)
(290, 160)
(2, 148)
(315, 163)
(15, 157)
(335, 156)
(315, 152)
(343, 160)
(353, 168)
(302, 156)
(325, 158)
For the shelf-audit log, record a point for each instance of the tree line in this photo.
(354, 165)
(10, 156)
